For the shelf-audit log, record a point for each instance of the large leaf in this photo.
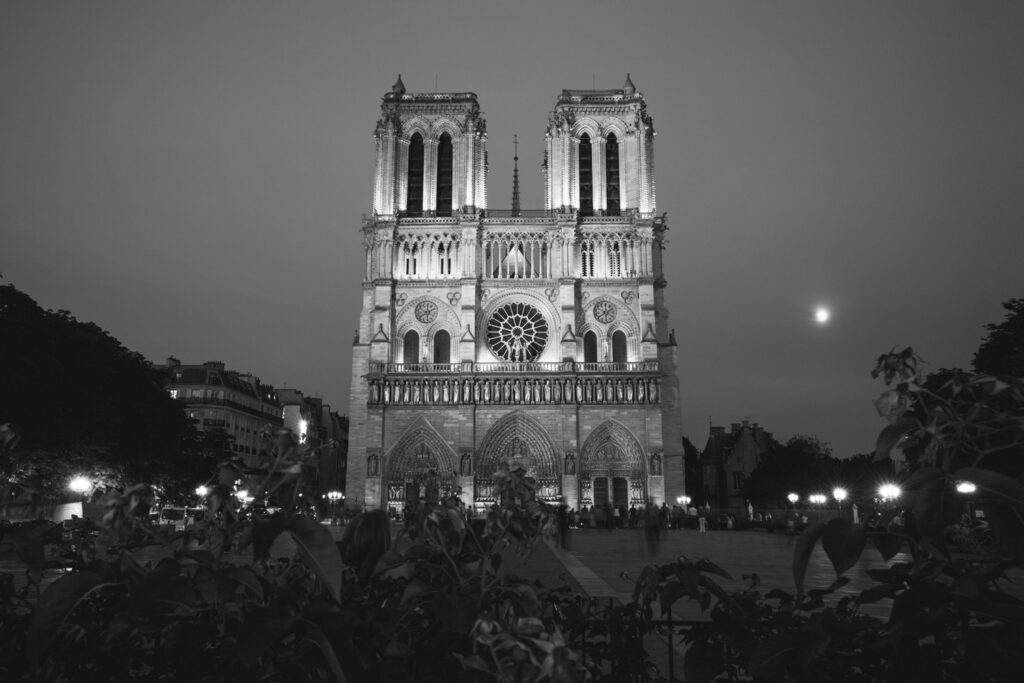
(892, 435)
(887, 544)
(54, 606)
(843, 542)
(318, 551)
(802, 554)
(317, 636)
(264, 532)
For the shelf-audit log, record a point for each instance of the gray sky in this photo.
(191, 175)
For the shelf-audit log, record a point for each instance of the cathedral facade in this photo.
(494, 340)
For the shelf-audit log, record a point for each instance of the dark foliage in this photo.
(1002, 351)
(86, 404)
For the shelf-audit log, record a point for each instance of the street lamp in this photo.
(201, 491)
(819, 500)
(966, 487)
(889, 491)
(685, 500)
(80, 485)
(840, 494)
(334, 497)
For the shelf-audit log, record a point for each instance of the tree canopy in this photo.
(85, 404)
(1002, 351)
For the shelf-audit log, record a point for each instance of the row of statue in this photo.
(466, 465)
(514, 391)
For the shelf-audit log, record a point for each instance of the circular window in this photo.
(604, 311)
(517, 332)
(426, 311)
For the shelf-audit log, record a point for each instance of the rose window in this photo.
(426, 311)
(517, 332)
(604, 311)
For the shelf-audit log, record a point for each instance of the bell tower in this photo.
(431, 154)
(599, 155)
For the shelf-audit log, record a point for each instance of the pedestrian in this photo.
(632, 516)
(562, 519)
(609, 517)
(585, 517)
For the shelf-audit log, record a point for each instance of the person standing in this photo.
(562, 520)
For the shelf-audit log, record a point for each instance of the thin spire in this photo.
(515, 178)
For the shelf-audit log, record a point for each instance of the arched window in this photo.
(444, 176)
(590, 348)
(411, 347)
(611, 175)
(587, 258)
(414, 186)
(411, 253)
(442, 347)
(614, 260)
(619, 354)
(444, 258)
(586, 177)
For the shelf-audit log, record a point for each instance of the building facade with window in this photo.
(217, 398)
(493, 340)
(728, 459)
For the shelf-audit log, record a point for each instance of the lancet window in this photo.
(586, 177)
(410, 254)
(414, 184)
(619, 353)
(611, 175)
(587, 258)
(517, 256)
(411, 347)
(590, 348)
(444, 175)
(442, 347)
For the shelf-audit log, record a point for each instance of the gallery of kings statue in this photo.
(494, 340)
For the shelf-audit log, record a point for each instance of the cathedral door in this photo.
(620, 492)
(601, 491)
(412, 494)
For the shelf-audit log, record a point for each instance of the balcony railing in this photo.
(512, 368)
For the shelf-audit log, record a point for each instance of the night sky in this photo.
(191, 176)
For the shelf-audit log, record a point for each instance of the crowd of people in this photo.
(609, 517)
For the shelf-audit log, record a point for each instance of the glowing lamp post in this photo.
(889, 492)
(817, 499)
(80, 485)
(840, 494)
(967, 488)
(334, 497)
(202, 491)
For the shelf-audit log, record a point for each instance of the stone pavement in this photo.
(597, 560)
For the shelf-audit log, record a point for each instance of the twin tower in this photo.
(493, 340)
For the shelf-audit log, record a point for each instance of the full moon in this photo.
(821, 315)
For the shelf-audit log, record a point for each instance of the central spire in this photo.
(515, 177)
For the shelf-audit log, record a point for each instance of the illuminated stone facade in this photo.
(503, 339)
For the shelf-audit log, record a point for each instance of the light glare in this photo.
(889, 491)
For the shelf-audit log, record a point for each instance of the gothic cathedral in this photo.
(493, 339)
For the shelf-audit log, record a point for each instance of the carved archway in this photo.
(518, 441)
(612, 452)
(419, 462)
